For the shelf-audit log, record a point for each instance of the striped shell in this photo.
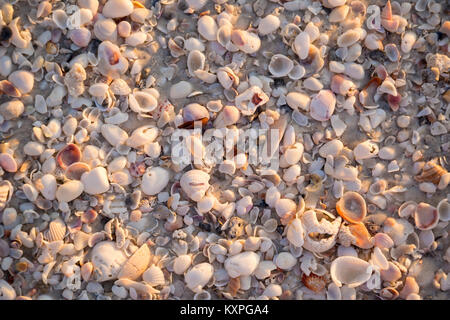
(154, 276)
(56, 230)
(6, 192)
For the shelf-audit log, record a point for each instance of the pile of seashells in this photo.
(93, 206)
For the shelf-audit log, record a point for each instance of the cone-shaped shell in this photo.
(350, 271)
(352, 207)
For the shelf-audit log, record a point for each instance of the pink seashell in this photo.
(86, 271)
(68, 155)
(81, 37)
(322, 105)
(426, 216)
(7, 162)
(383, 241)
(394, 101)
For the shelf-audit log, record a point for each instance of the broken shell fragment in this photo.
(136, 265)
(248, 101)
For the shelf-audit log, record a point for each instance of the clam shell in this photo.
(352, 207)
(245, 41)
(322, 105)
(69, 191)
(207, 27)
(22, 80)
(242, 264)
(117, 8)
(107, 260)
(142, 102)
(76, 170)
(182, 263)
(280, 65)
(68, 155)
(95, 181)
(8, 163)
(350, 271)
(295, 233)
(312, 225)
(56, 230)
(154, 276)
(431, 172)
(195, 61)
(198, 276)
(443, 209)
(155, 180)
(407, 209)
(426, 217)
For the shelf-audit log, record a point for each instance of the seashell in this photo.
(443, 209)
(5, 66)
(80, 37)
(86, 271)
(6, 291)
(107, 260)
(48, 186)
(95, 181)
(407, 209)
(195, 184)
(342, 85)
(181, 90)
(313, 62)
(410, 286)
(301, 45)
(383, 241)
(352, 207)
(398, 229)
(207, 27)
(295, 233)
(297, 72)
(198, 276)
(322, 105)
(285, 261)
(60, 18)
(155, 180)
(182, 263)
(362, 235)
(105, 30)
(114, 134)
(154, 276)
(117, 8)
(248, 101)
(365, 150)
(4, 248)
(378, 187)
(136, 265)
(142, 136)
(142, 102)
(69, 191)
(228, 116)
(245, 41)
(320, 235)
(285, 207)
(75, 170)
(431, 172)
(280, 65)
(7, 162)
(332, 148)
(349, 37)
(297, 101)
(56, 230)
(9, 217)
(268, 24)
(6, 192)
(194, 112)
(224, 35)
(111, 63)
(19, 38)
(273, 290)
(242, 264)
(227, 78)
(426, 217)
(9, 89)
(408, 40)
(68, 155)
(351, 271)
(391, 273)
(195, 61)
(314, 282)
(22, 80)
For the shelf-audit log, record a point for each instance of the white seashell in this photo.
(245, 41)
(136, 38)
(248, 101)
(268, 24)
(207, 27)
(242, 264)
(443, 209)
(379, 259)
(135, 266)
(11, 109)
(154, 276)
(155, 180)
(391, 273)
(182, 263)
(198, 276)
(22, 80)
(60, 17)
(195, 184)
(227, 78)
(56, 230)
(331, 148)
(351, 271)
(142, 136)
(285, 261)
(181, 90)
(49, 186)
(80, 37)
(297, 100)
(301, 45)
(114, 134)
(117, 8)
(193, 44)
(69, 191)
(105, 30)
(195, 61)
(107, 260)
(408, 41)
(142, 102)
(5, 66)
(322, 105)
(284, 207)
(111, 63)
(95, 181)
(349, 37)
(196, 4)
(264, 269)
(6, 291)
(280, 65)
(426, 217)
(365, 150)
(311, 224)
(295, 233)
(273, 290)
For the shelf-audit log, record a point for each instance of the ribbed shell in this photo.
(154, 276)
(56, 230)
(6, 191)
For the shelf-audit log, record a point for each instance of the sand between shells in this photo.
(94, 205)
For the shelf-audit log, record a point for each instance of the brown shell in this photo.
(352, 207)
(431, 172)
(68, 155)
(8, 88)
(314, 282)
(233, 286)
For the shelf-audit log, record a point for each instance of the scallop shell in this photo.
(68, 155)
(280, 65)
(6, 192)
(182, 263)
(352, 207)
(154, 276)
(350, 271)
(431, 172)
(426, 217)
(56, 230)
(136, 265)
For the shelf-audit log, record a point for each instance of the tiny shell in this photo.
(301, 45)
(314, 282)
(285, 261)
(76, 170)
(248, 101)
(431, 172)
(6, 192)
(351, 271)
(268, 24)
(295, 233)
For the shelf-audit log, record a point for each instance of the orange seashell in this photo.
(137, 4)
(68, 155)
(76, 170)
(431, 172)
(386, 13)
(314, 282)
(362, 235)
(8, 88)
(352, 207)
(233, 286)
